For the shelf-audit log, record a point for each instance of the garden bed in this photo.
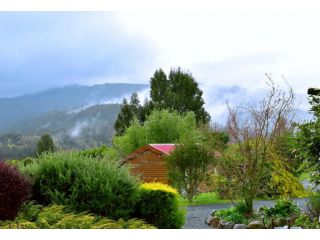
(284, 214)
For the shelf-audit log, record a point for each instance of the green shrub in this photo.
(241, 207)
(283, 208)
(314, 205)
(58, 217)
(158, 205)
(101, 152)
(306, 222)
(233, 214)
(102, 187)
(30, 211)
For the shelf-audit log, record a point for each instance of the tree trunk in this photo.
(190, 197)
(249, 207)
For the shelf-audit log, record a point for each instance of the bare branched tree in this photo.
(252, 129)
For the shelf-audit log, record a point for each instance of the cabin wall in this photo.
(149, 167)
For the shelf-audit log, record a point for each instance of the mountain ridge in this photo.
(25, 107)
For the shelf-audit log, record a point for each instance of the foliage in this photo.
(18, 146)
(178, 91)
(278, 181)
(58, 217)
(282, 182)
(314, 205)
(160, 127)
(188, 167)
(283, 208)
(233, 214)
(306, 222)
(158, 205)
(126, 115)
(154, 186)
(252, 129)
(102, 152)
(307, 142)
(283, 145)
(45, 144)
(102, 187)
(14, 190)
(30, 211)
(219, 139)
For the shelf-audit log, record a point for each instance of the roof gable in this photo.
(165, 148)
(160, 149)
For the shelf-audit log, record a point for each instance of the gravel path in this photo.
(196, 215)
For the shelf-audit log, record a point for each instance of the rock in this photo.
(296, 227)
(240, 226)
(284, 227)
(280, 222)
(228, 225)
(213, 212)
(208, 220)
(255, 225)
(215, 222)
(221, 224)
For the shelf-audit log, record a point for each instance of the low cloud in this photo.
(76, 130)
(40, 50)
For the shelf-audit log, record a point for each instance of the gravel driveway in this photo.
(196, 215)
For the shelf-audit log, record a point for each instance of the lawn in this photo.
(204, 198)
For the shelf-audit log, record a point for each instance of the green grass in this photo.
(203, 198)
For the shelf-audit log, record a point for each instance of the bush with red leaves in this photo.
(14, 190)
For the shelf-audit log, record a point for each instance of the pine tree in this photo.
(45, 144)
(159, 89)
(124, 118)
(178, 92)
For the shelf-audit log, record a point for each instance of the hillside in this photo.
(19, 110)
(79, 129)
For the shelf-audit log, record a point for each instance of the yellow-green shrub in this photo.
(58, 217)
(283, 183)
(158, 205)
(158, 186)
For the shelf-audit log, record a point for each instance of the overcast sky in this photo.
(39, 50)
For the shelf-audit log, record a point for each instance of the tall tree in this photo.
(159, 89)
(307, 140)
(135, 104)
(124, 118)
(253, 130)
(188, 167)
(179, 91)
(185, 95)
(45, 144)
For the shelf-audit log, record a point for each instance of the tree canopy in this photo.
(45, 144)
(307, 141)
(177, 92)
(127, 112)
(161, 126)
(253, 129)
(189, 167)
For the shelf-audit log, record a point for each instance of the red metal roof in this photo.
(165, 147)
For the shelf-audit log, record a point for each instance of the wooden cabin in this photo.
(148, 162)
